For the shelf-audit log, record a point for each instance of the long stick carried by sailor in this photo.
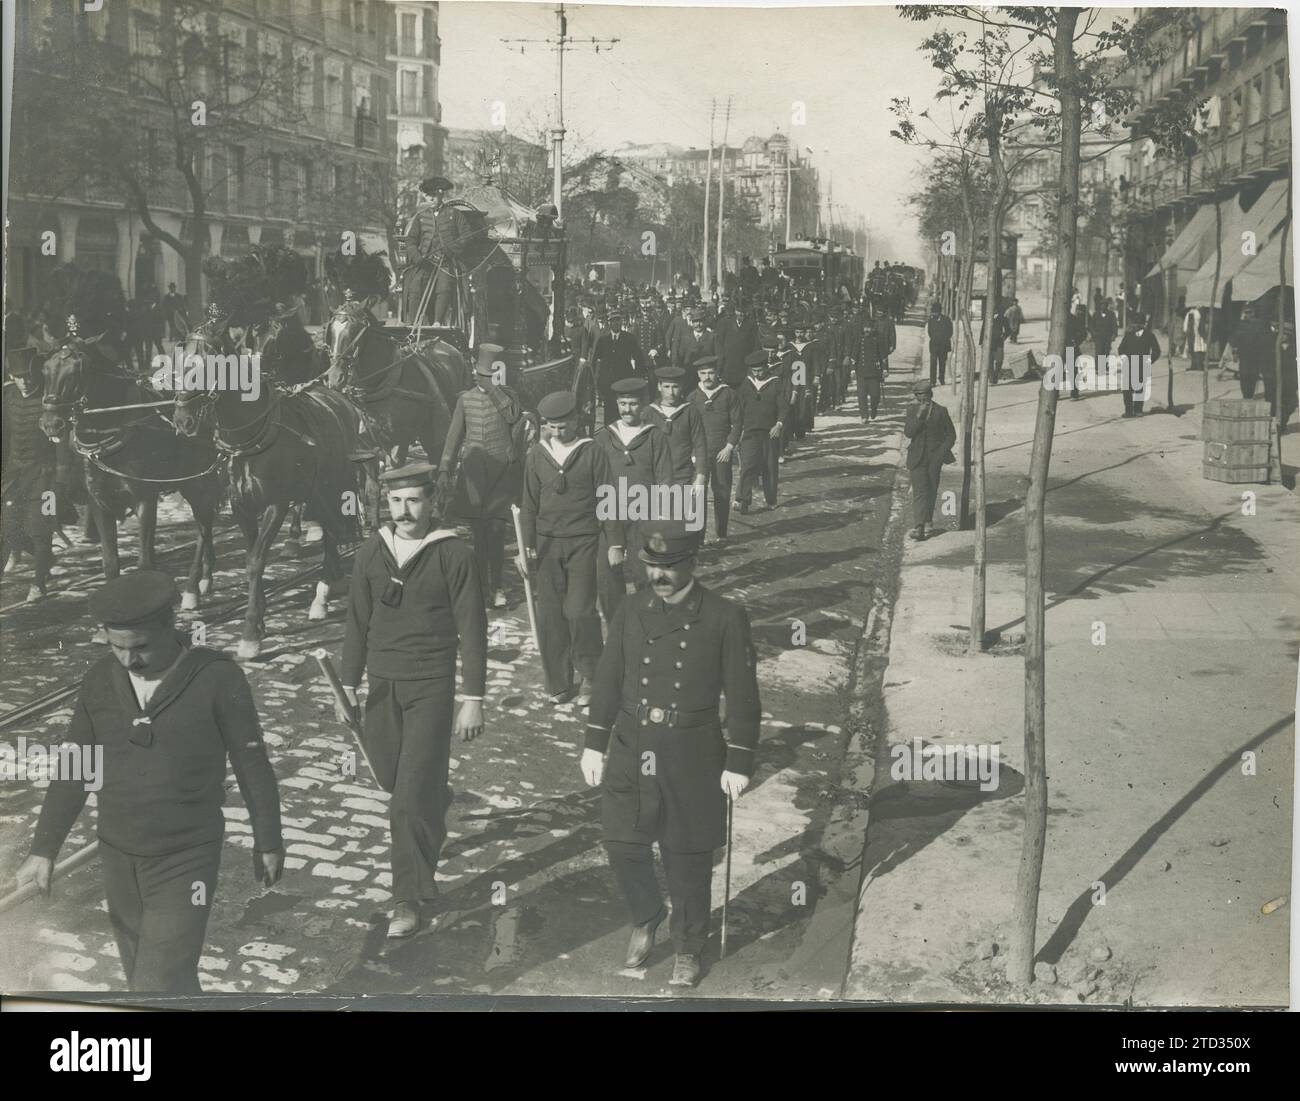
(528, 585)
(354, 721)
(726, 884)
(67, 864)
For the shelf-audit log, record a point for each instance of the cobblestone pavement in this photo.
(529, 906)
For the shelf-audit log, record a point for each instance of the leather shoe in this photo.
(643, 940)
(686, 971)
(584, 694)
(403, 921)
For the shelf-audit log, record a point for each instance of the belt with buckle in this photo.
(662, 716)
(671, 716)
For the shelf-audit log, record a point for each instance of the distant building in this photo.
(520, 166)
(414, 54)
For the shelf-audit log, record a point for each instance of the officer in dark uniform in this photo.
(155, 722)
(415, 600)
(427, 236)
(655, 742)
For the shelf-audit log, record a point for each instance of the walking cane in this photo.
(528, 585)
(30, 890)
(354, 723)
(726, 884)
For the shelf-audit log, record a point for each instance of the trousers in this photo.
(868, 393)
(938, 363)
(158, 907)
(925, 490)
(490, 549)
(688, 875)
(759, 460)
(612, 581)
(568, 625)
(407, 735)
(720, 476)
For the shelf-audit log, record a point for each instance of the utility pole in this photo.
(708, 186)
(771, 201)
(722, 188)
(563, 41)
(789, 190)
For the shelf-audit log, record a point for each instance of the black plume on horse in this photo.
(248, 289)
(93, 297)
(365, 274)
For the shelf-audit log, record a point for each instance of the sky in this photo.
(844, 64)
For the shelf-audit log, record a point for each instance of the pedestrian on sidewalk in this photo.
(415, 600)
(655, 743)
(160, 718)
(1015, 317)
(1194, 328)
(939, 331)
(1141, 349)
(563, 476)
(931, 435)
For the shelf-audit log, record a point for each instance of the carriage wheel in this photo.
(585, 387)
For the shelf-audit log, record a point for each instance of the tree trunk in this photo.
(1020, 965)
(966, 286)
(1275, 459)
(979, 573)
(1214, 294)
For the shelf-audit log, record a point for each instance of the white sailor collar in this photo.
(626, 435)
(668, 414)
(437, 535)
(561, 453)
(760, 386)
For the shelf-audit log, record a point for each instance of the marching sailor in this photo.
(563, 476)
(415, 600)
(719, 408)
(764, 408)
(159, 718)
(638, 456)
(655, 742)
(683, 427)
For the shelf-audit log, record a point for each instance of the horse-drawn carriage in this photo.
(508, 264)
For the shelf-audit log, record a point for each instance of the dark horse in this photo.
(282, 449)
(407, 392)
(130, 454)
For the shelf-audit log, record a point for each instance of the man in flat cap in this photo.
(431, 277)
(639, 458)
(683, 427)
(930, 435)
(159, 718)
(415, 600)
(720, 410)
(488, 438)
(655, 742)
(562, 528)
(615, 355)
(764, 408)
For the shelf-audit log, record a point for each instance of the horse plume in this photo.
(93, 298)
(247, 289)
(364, 274)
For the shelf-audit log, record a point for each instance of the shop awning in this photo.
(1190, 246)
(1262, 219)
(1261, 275)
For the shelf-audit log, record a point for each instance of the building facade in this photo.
(321, 134)
(414, 53)
(1234, 62)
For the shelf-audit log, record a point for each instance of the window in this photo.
(1279, 97)
(273, 181)
(334, 98)
(336, 179)
(1237, 111)
(1255, 101)
(237, 172)
(410, 91)
(409, 33)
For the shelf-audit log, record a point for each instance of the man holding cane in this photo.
(415, 600)
(655, 741)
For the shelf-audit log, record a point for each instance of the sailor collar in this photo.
(561, 453)
(625, 436)
(709, 395)
(388, 533)
(668, 414)
(761, 385)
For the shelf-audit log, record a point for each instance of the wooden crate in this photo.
(1238, 461)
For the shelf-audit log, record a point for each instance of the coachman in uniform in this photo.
(160, 718)
(655, 742)
(562, 479)
(488, 435)
(434, 228)
(415, 600)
